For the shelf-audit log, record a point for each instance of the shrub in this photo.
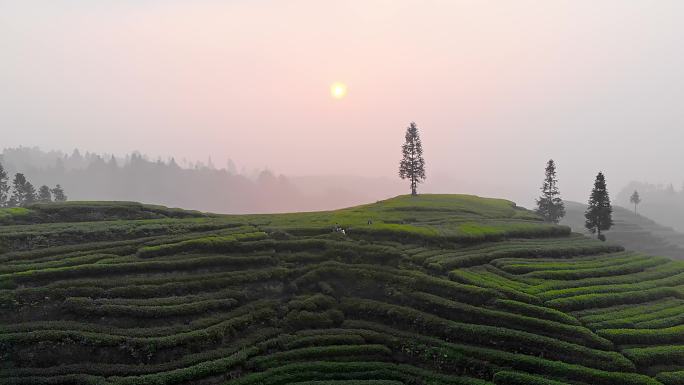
(514, 378)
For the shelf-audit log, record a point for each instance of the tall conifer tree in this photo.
(4, 187)
(412, 165)
(550, 205)
(599, 214)
(23, 192)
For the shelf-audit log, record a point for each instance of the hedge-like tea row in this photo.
(206, 244)
(515, 378)
(525, 266)
(242, 317)
(137, 267)
(409, 279)
(84, 306)
(547, 251)
(662, 271)
(548, 368)
(619, 269)
(647, 318)
(602, 300)
(478, 315)
(535, 311)
(656, 355)
(514, 340)
(671, 378)
(346, 371)
(671, 335)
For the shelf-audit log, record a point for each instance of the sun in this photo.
(338, 90)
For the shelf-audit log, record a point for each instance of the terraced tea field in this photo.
(438, 289)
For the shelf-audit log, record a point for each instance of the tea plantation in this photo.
(435, 289)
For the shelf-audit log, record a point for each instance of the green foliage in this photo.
(44, 195)
(207, 244)
(412, 165)
(671, 378)
(4, 187)
(550, 205)
(599, 215)
(514, 378)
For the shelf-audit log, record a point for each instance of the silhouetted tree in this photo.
(412, 165)
(549, 205)
(23, 192)
(4, 187)
(44, 194)
(635, 199)
(58, 194)
(599, 214)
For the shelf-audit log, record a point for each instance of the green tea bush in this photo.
(514, 378)
(602, 300)
(486, 335)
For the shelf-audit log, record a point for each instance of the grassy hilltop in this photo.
(435, 289)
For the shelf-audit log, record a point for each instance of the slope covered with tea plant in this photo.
(435, 289)
(634, 232)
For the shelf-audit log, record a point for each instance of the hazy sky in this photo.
(496, 87)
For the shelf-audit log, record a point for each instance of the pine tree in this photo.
(17, 197)
(550, 205)
(599, 214)
(30, 195)
(635, 199)
(23, 192)
(58, 194)
(412, 165)
(4, 187)
(44, 194)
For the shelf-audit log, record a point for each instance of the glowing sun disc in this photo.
(338, 90)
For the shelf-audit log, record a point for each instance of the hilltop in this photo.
(634, 232)
(435, 289)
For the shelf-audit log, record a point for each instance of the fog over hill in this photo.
(661, 202)
(634, 232)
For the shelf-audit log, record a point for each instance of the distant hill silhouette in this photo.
(634, 232)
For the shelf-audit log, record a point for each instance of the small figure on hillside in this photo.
(370, 221)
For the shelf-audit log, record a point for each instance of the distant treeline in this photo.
(192, 185)
(20, 192)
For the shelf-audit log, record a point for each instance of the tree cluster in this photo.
(195, 185)
(20, 192)
(550, 205)
(599, 213)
